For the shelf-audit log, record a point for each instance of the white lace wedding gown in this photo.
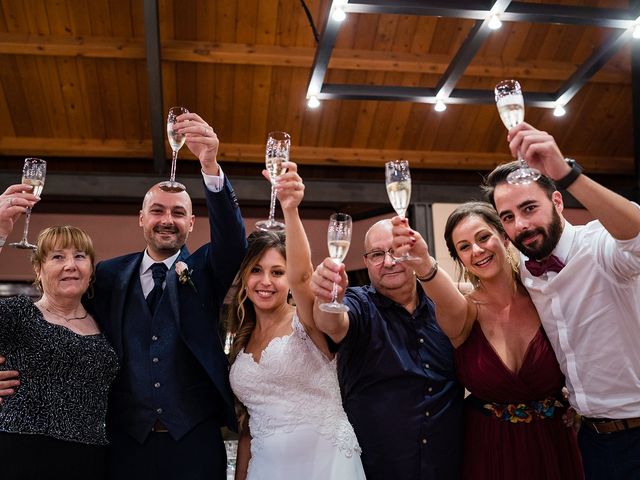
(298, 427)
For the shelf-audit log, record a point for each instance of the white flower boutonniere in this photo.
(184, 275)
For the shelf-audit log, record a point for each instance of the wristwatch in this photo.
(564, 182)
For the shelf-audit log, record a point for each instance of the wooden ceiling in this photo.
(75, 85)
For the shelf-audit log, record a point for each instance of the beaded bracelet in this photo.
(432, 273)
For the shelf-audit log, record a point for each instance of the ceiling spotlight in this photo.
(313, 102)
(339, 14)
(494, 22)
(559, 111)
(440, 106)
(636, 31)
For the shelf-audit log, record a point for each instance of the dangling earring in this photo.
(465, 275)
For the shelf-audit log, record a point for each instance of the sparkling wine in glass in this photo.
(176, 140)
(277, 152)
(34, 172)
(338, 240)
(510, 105)
(398, 180)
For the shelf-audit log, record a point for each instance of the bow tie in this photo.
(550, 264)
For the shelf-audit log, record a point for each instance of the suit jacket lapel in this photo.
(124, 278)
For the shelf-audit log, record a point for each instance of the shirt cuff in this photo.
(214, 183)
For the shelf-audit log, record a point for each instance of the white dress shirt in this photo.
(591, 314)
(215, 183)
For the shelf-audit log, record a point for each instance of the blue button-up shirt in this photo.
(399, 389)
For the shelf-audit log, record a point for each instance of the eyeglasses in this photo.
(376, 257)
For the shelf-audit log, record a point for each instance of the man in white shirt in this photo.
(584, 283)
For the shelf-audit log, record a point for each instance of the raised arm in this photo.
(618, 215)
(335, 325)
(455, 313)
(228, 237)
(14, 201)
(290, 191)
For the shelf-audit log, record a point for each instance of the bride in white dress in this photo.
(293, 425)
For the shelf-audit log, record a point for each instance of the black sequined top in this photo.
(64, 377)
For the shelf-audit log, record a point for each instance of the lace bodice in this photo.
(293, 384)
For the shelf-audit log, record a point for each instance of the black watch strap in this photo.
(564, 182)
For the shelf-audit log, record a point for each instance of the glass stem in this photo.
(26, 226)
(334, 293)
(272, 208)
(172, 177)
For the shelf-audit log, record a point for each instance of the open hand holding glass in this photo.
(510, 105)
(34, 172)
(339, 240)
(176, 140)
(277, 152)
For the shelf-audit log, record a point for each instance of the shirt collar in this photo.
(147, 261)
(564, 244)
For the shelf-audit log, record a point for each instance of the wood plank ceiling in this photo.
(74, 88)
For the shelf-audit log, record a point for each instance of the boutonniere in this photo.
(184, 275)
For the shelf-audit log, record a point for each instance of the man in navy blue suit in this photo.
(172, 393)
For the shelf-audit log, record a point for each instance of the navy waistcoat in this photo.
(160, 378)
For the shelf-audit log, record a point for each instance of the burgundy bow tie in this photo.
(550, 264)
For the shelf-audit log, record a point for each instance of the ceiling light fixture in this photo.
(494, 22)
(559, 111)
(440, 106)
(339, 14)
(313, 102)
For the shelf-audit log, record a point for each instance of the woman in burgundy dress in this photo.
(513, 418)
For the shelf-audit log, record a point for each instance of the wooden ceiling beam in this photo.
(304, 155)
(302, 57)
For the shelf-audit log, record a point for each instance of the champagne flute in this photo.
(34, 172)
(277, 152)
(398, 180)
(510, 105)
(176, 140)
(338, 239)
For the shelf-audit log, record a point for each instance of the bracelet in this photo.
(432, 273)
(566, 181)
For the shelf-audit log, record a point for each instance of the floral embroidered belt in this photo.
(519, 412)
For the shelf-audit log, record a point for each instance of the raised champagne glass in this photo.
(510, 103)
(176, 140)
(34, 172)
(338, 240)
(276, 153)
(398, 181)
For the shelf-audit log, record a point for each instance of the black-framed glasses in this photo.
(376, 257)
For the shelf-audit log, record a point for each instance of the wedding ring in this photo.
(11, 202)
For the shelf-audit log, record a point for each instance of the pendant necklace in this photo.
(86, 314)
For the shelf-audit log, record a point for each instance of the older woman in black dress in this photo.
(53, 426)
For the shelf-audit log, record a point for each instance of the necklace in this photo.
(86, 314)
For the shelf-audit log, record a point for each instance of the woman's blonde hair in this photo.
(57, 238)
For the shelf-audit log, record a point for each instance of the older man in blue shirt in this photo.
(395, 367)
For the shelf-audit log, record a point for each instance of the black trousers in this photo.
(39, 457)
(199, 455)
